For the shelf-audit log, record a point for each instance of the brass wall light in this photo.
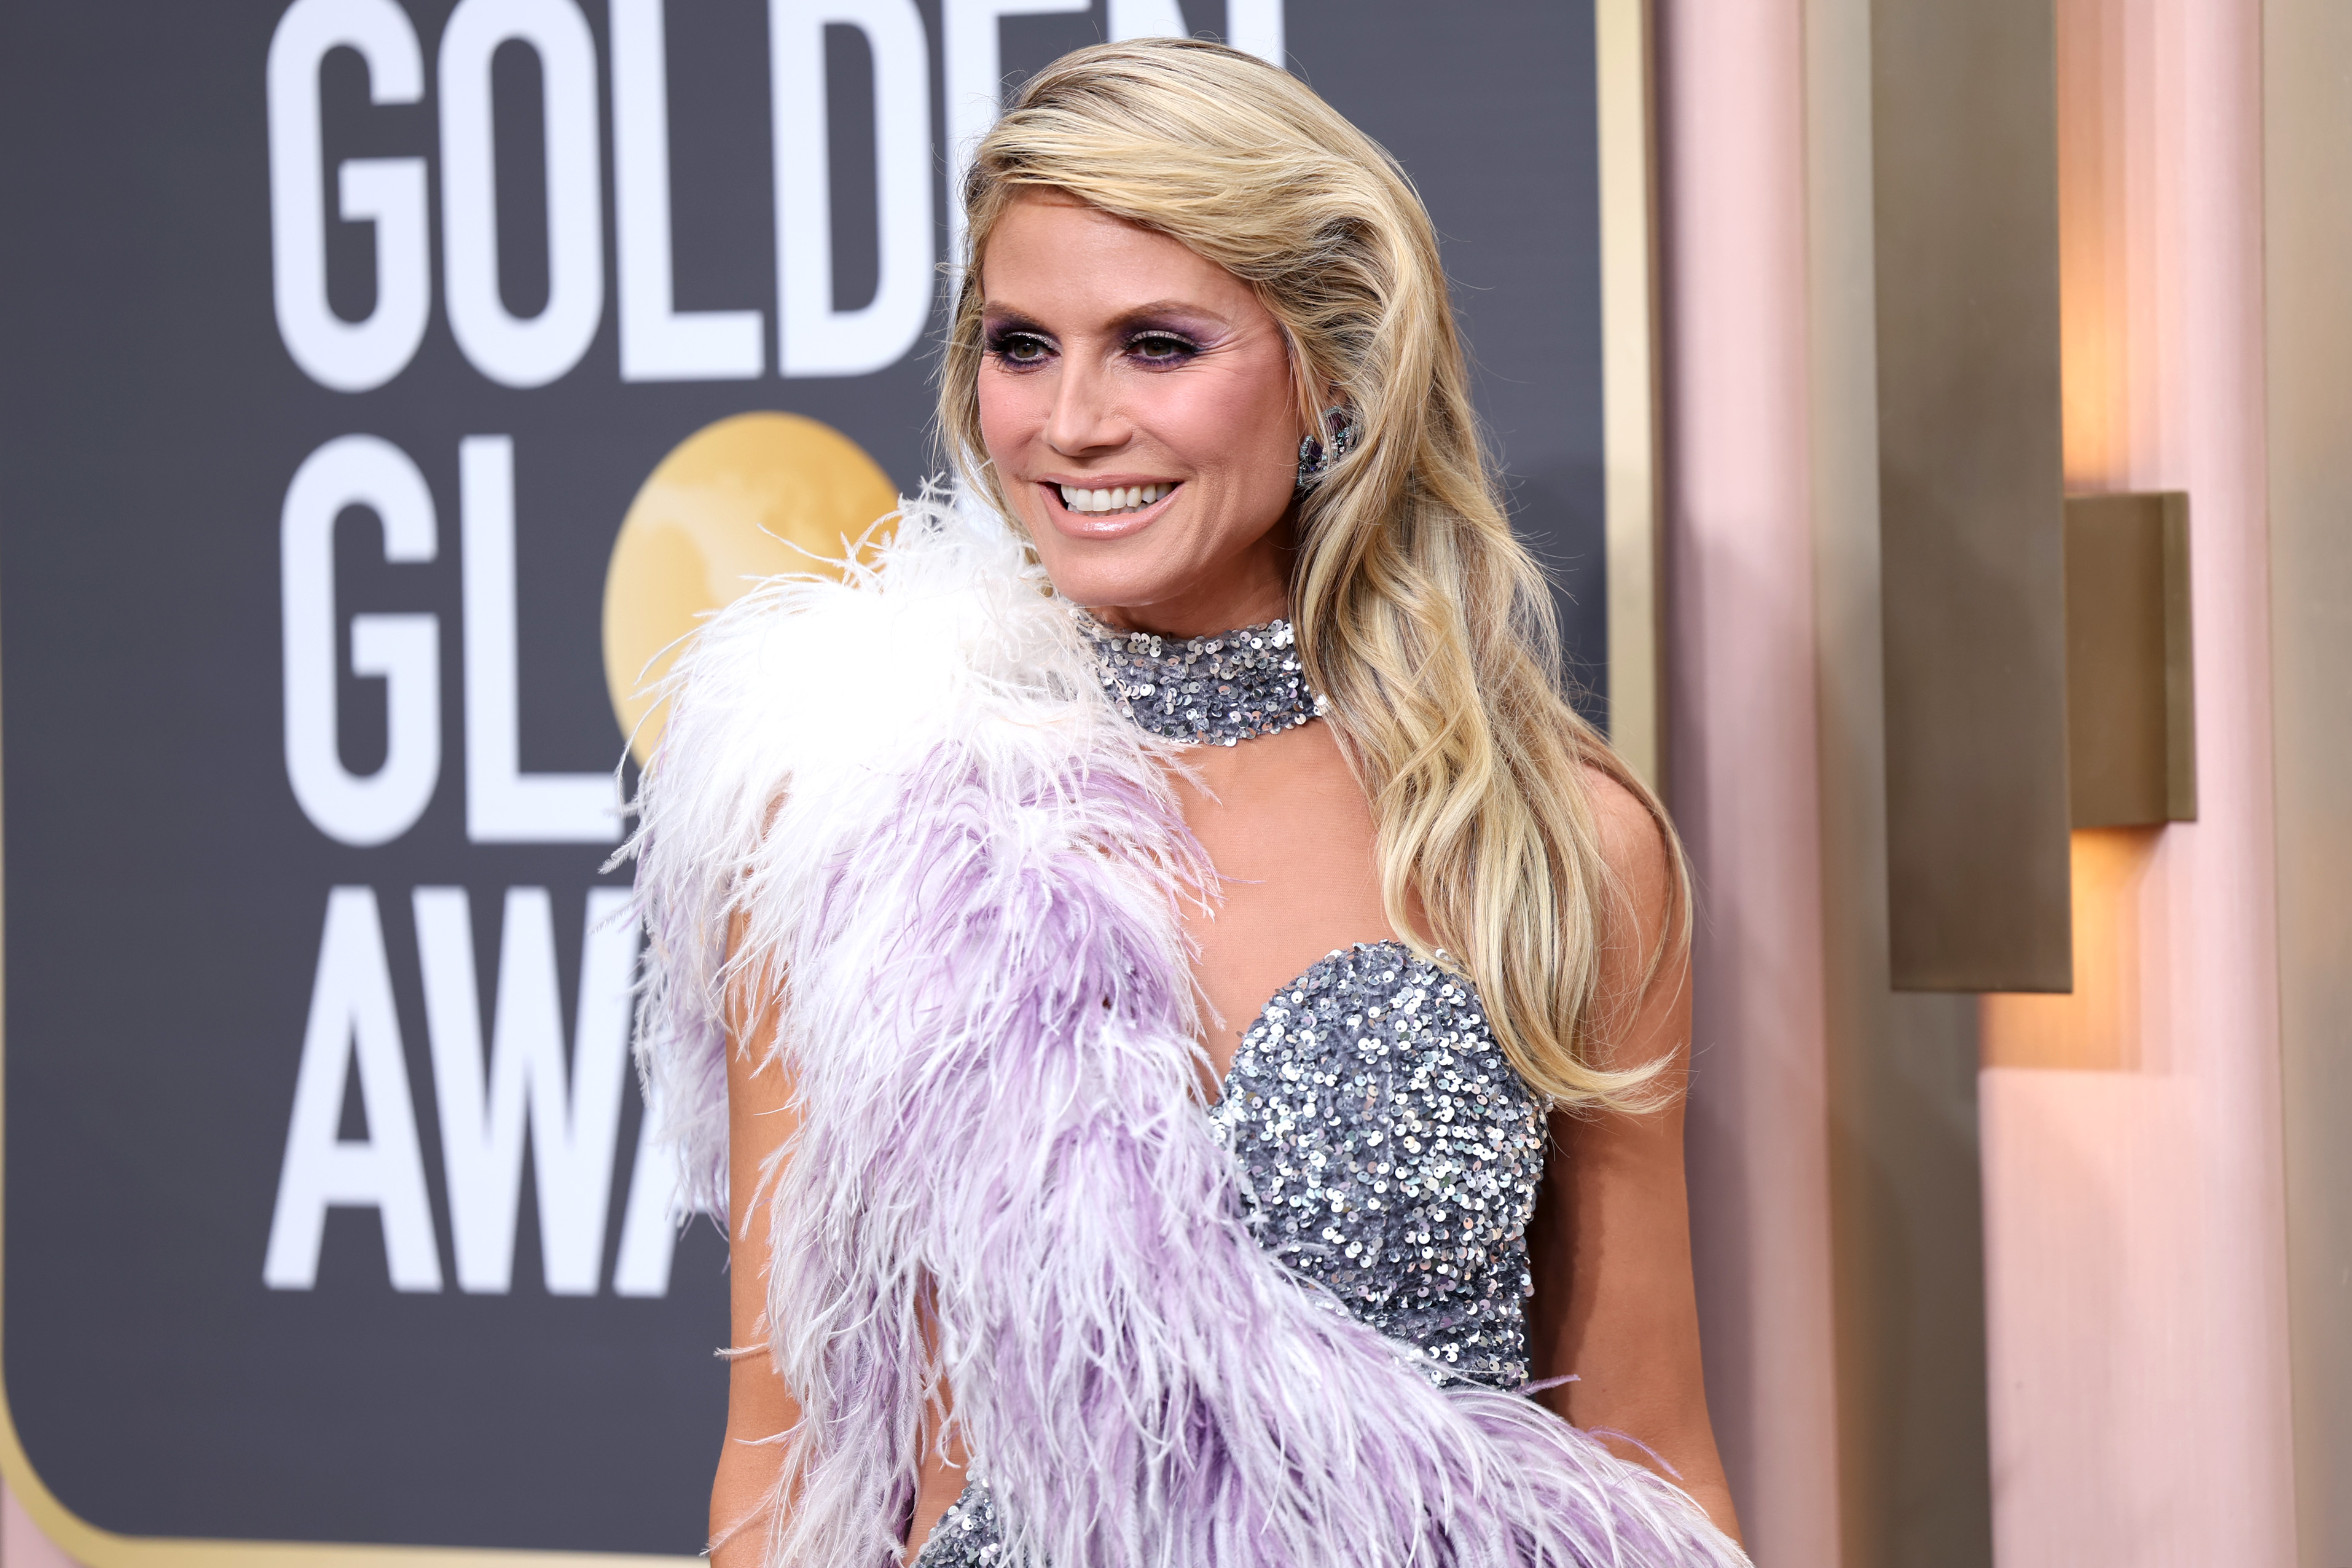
(1972, 482)
(2131, 726)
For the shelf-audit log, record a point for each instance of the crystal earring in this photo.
(1315, 458)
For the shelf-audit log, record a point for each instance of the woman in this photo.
(1181, 1090)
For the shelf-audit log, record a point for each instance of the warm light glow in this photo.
(2115, 239)
(2097, 1027)
(2107, 227)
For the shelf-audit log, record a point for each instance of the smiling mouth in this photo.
(1113, 502)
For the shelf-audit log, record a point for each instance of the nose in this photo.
(1084, 417)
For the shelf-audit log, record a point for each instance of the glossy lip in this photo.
(1101, 525)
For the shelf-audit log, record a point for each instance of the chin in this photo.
(1171, 564)
(1097, 589)
(1099, 576)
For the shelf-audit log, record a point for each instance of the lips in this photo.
(1107, 511)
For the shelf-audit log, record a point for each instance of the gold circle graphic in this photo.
(749, 496)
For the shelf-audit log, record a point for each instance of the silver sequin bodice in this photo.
(1387, 1151)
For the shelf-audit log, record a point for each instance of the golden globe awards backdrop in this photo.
(385, 381)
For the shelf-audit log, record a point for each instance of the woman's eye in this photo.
(1021, 348)
(1161, 348)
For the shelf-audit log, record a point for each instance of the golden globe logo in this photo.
(749, 496)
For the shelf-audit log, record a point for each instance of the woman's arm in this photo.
(1611, 1240)
(760, 1117)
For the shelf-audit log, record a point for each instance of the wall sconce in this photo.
(2036, 648)
(2131, 726)
(1971, 469)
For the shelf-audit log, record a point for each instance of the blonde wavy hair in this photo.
(1428, 626)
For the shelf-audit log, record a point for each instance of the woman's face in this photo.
(1118, 361)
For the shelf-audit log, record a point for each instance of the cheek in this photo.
(1239, 425)
(1010, 413)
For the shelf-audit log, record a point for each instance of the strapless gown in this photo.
(1388, 1153)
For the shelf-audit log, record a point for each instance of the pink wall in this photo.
(1739, 761)
(2134, 1209)
(22, 1544)
(2130, 1134)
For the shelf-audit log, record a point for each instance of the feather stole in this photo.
(958, 871)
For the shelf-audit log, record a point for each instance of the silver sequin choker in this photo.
(1213, 690)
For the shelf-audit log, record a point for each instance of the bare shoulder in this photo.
(1632, 844)
(1643, 963)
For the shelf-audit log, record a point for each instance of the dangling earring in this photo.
(1315, 458)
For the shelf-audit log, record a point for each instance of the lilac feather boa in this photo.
(909, 790)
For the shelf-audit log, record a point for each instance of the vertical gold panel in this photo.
(1964, 135)
(1629, 380)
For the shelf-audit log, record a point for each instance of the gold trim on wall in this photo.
(1629, 360)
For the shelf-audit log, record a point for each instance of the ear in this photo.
(1307, 403)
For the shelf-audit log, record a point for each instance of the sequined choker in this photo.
(1214, 690)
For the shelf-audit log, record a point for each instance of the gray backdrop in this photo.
(167, 895)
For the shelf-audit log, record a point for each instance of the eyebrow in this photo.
(1006, 316)
(1139, 315)
(1162, 308)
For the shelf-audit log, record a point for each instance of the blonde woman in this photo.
(1185, 1021)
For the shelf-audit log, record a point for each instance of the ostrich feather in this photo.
(958, 875)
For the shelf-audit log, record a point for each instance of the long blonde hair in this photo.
(1426, 625)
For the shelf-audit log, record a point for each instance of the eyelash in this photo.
(1184, 347)
(1003, 346)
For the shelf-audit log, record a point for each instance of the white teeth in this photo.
(1127, 498)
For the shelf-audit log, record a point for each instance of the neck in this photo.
(1248, 590)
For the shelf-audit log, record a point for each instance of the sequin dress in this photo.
(1385, 1148)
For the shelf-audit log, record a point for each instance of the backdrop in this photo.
(336, 342)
